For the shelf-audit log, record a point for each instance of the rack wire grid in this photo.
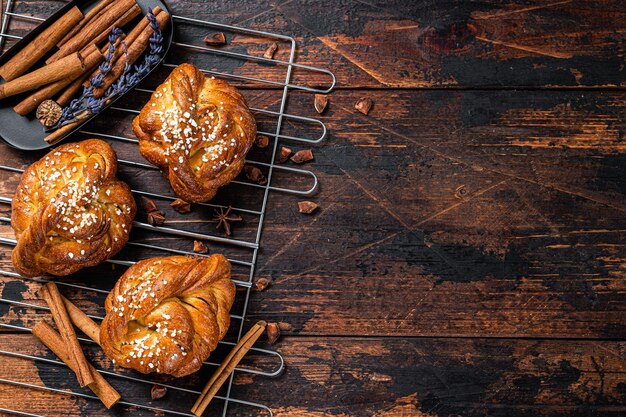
(284, 83)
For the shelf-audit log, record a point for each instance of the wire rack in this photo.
(242, 252)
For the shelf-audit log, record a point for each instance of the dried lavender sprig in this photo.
(76, 106)
(129, 79)
(124, 83)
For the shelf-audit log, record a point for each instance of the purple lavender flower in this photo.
(129, 78)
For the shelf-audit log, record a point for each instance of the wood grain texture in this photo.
(415, 44)
(524, 251)
(383, 377)
(468, 254)
(504, 218)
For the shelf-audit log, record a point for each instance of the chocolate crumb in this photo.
(262, 141)
(284, 154)
(321, 101)
(273, 332)
(158, 391)
(261, 284)
(156, 218)
(215, 39)
(303, 156)
(254, 174)
(285, 327)
(364, 105)
(148, 205)
(270, 51)
(200, 247)
(307, 207)
(181, 206)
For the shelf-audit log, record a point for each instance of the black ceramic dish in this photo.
(27, 133)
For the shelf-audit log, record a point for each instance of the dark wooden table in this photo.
(469, 255)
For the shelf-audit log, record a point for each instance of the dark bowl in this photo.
(27, 133)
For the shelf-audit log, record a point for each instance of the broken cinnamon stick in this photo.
(82, 321)
(227, 367)
(51, 294)
(53, 340)
(89, 16)
(137, 41)
(38, 47)
(93, 29)
(92, 57)
(70, 66)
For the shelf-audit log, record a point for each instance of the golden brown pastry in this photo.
(166, 315)
(70, 211)
(197, 130)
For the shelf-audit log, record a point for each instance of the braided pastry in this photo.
(167, 314)
(70, 211)
(197, 130)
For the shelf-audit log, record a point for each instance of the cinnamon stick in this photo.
(136, 47)
(61, 132)
(82, 321)
(119, 50)
(53, 340)
(227, 367)
(51, 294)
(92, 57)
(38, 47)
(70, 66)
(128, 40)
(72, 90)
(89, 16)
(126, 18)
(93, 29)
(141, 27)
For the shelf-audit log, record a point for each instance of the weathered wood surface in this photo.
(468, 257)
(380, 377)
(408, 44)
(481, 222)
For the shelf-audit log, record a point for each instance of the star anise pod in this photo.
(224, 218)
(148, 205)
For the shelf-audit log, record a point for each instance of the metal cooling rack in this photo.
(250, 248)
